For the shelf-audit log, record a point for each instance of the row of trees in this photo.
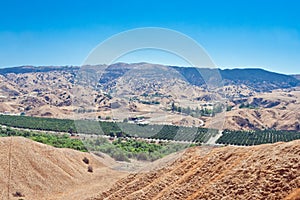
(217, 108)
(256, 137)
(119, 129)
(191, 134)
(166, 132)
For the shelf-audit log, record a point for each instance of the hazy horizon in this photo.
(187, 66)
(233, 33)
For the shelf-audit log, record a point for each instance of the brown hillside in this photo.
(40, 171)
(262, 172)
(251, 119)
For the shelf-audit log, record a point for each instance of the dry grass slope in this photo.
(40, 171)
(260, 172)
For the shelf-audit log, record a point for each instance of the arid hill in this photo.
(38, 171)
(259, 172)
(276, 110)
(120, 91)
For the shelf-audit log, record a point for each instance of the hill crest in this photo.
(39, 171)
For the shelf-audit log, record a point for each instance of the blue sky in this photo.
(254, 33)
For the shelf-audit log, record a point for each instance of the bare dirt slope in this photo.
(260, 172)
(253, 119)
(276, 110)
(40, 171)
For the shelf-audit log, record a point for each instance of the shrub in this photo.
(18, 194)
(142, 156)
(86, 160)
(90, 169)
(120, 156)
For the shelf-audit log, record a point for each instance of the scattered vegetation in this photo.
(56, 140)
(149, 102)
(86, 160)
(90, 169)
(121, 149)
(126, 149)
(148, 98)
(229, 108)
(216, 108)
(18, 194)
(247, 105)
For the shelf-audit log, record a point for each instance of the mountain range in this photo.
(252, 98)
(258, 79)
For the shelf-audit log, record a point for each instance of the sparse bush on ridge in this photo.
(86, 160)
(18, 194)
(90, 169)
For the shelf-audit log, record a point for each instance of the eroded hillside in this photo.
(260, 172)
(31, 170)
